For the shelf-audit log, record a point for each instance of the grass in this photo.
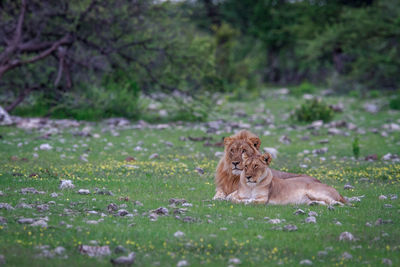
(220, 230)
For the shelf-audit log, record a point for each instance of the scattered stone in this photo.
(339, 107)
(320, 151)
(6, 206)
(235, 261)
(274, 221)
(31, 190)
(83, 192)
(299, 212)
(219, 154)
(41, 223)
(382, 197)
(177, 201)
(311, 219)
(179, 234)
(54, 194)
(66, 184)
(24, 206)
(372, 157)
(346, 236)
(59, 251)
(42, 207)
(112, 207)
(124, 260)
(393, 197)
(199, 170)
(129, 159)
(153, 217)
(387, 261)
(354, 199)
(322, 253)
(348, 187)
(284, 139)
(138, 203)
(182, 263)
(338, 223)
(347, 256)
(187, 204)
(388, 205)
(95, 251)
(272, 151)
(290, 228)
(3, 220)
(160, 211)
(306, 262)
(26, 221)
(334, 131)
(371, 108)
(122, 212)
(120, 249)
(45, 147)
(312, 213)
(154, 156)
(103, 191)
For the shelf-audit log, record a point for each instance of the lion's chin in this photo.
(236, 172)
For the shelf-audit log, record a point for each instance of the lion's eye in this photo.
(231, 149)
(245, 166)
(255, 166)
(244, 151)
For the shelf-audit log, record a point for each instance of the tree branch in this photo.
(20, 98)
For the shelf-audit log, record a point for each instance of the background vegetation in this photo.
(93, 59)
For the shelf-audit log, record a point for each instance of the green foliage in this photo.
(356, 147)
(395, 103)
(374, 94)
(312, 110)
(355, 93)
(304, 88)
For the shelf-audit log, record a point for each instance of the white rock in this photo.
(346, 236)
(235, 261)
(179, 234)
(219, 154)
(311, 219)
(45, 147)
(306, 262)
(66, 184)
(59, 250)
(182, 263)
(83, 191)
(153, 156)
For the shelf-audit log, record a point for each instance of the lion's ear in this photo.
(228, 141)
(266, 157)
(255, 141)
(244, 156)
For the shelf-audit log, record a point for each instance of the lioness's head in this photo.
(235, 147)
(255, 166)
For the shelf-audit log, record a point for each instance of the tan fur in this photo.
(226, 179)
(258, 185)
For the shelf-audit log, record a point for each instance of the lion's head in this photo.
(255, 166)
(238, 144)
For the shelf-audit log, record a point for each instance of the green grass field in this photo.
(216, 233)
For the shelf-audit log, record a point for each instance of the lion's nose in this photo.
(249, 177)
(235, 163)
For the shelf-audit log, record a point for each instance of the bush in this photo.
(304, 88)
(395, 103)
(313, 110)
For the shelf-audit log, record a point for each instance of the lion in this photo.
(258, 185)
(230, 165)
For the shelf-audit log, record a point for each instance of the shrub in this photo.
(312, 110)
(356, 148)
(395, 103)
(304, 88)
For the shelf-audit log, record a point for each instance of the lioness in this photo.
(258, 185)
(230, 165)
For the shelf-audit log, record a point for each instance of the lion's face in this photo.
(234, 150)
(255, 166)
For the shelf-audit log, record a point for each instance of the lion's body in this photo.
(227, 177)
(258, 185)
